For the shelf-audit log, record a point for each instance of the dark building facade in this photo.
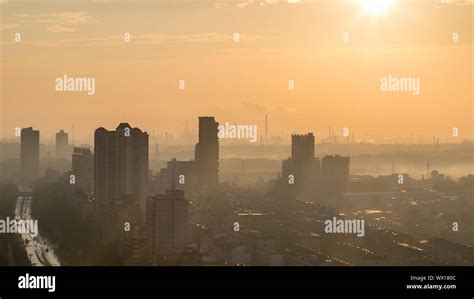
(335, 172)
(166, 225)
(83, 168)
(62, 145)
(29, 153)
(201, 173)
(207, 153)
(308, 177)
(120, 178)
(182, 174)
(303, 165)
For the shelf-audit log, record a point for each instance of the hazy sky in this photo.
(337, 83)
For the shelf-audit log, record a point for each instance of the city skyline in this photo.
(188, 136)
(189, 213)
(237, 133)
(269, 148)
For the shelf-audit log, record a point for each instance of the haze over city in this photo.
(236, 133)
(336, 79)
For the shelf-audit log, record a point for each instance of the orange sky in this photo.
(336, 84)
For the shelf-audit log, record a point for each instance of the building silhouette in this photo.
(309, 178)
(120, 178)
(166, 225)
(29, 153)
(83, 168)
(62, 145)
(303, 165)
(207, 153)
(181, 173)
(302, 147)
(201, 173)
(335, 172)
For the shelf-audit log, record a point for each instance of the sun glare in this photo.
(376, 6)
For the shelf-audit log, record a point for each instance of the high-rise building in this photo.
(198, 173)
(302, 147)
(166, 224)
(335, 171)
(179, 173)
(62, 145)
(29, 153)
(303, 165)
(120, 176)
(207, 152)
(83, 168)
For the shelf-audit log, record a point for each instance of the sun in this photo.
(376, 6)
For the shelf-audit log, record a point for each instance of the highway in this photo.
(39, 250)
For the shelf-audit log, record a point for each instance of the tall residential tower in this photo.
(62, 145)
(207, 153)
(120, 175)
(29, 153)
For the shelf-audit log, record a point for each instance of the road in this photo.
(39, 250)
